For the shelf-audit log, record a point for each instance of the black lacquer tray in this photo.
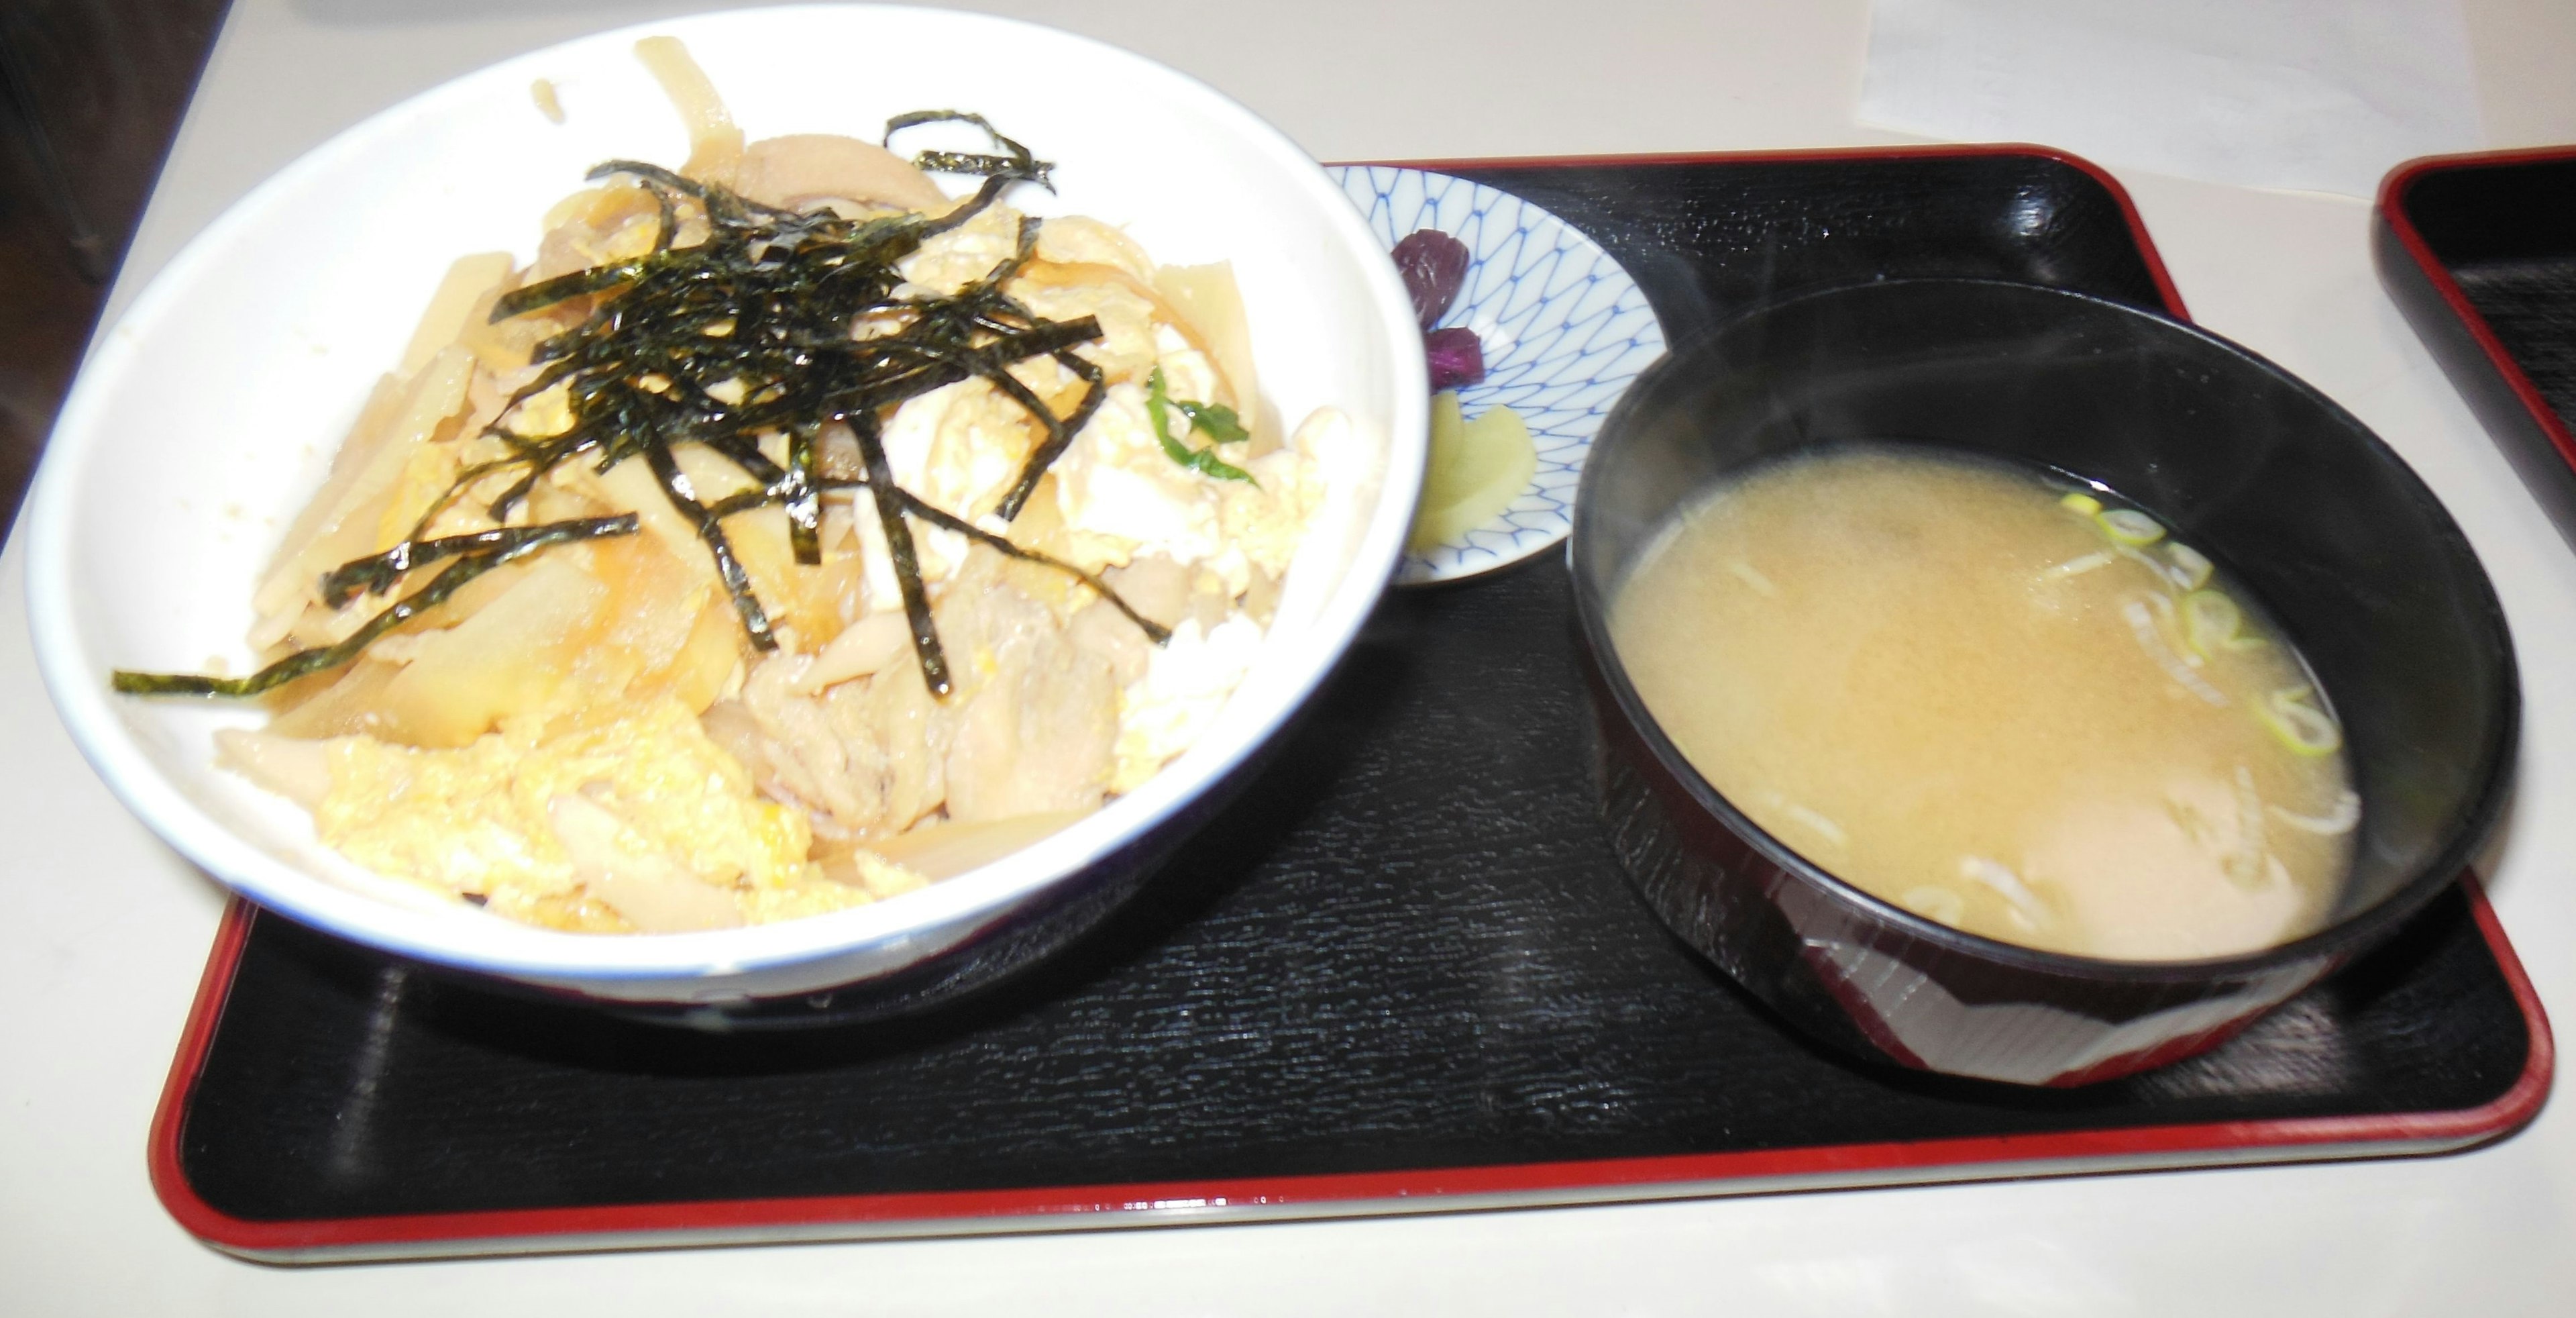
(1402, 972)
(2480, 252)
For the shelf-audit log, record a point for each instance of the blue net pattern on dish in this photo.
(1564, 331)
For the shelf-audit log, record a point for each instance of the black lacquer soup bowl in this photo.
(2350, 552)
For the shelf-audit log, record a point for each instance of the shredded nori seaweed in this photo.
(469, 564)
(1016, 163)
(915, 506)
(761, 312)
(907, 565)
(377, 573)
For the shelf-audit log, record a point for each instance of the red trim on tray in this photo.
(2522, 1102)
(1038, 1207)
(2147, 252)
(214, 989)
(2392, 212)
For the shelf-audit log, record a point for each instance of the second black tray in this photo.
(2479, 251)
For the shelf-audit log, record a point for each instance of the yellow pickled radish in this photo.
(1477, 469)
(1454, 472)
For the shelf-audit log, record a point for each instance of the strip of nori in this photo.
(1018, 163)
(729, 569)
(907, 565)
(1060, 434)
(377, 573)
(918, 507)
(305, 663)
(1154, 631)
(804, 498)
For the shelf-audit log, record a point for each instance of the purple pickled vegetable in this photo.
(1433, 265)
(1455, 357)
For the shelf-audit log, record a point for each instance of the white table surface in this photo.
(106, 930)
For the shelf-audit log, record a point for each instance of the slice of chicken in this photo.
(1039, 737)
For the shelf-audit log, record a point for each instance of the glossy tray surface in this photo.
(1402, 972)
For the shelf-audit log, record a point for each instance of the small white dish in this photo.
(1564, 330)
(207, 416)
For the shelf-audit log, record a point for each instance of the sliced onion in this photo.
(715, 142)
(2168, 576)
(2007, 885)
(2168, 620)
(1934, 903)
(1752, 576)
(2142, 624)
(2345, 816)
(2075, 567)
(1812, 820)
(2249, 863)
(1818, 824)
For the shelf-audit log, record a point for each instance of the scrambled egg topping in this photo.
(602, 802)
(484, 818)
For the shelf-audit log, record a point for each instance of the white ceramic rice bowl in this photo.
(204, 419)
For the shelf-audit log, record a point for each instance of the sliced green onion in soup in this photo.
(2082, 505)
(2191, 567)
(2211, 621)
(2298, 725)
(2128, 526)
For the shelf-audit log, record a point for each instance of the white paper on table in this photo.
(2322, 95)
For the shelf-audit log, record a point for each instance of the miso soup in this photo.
(2002, 701)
